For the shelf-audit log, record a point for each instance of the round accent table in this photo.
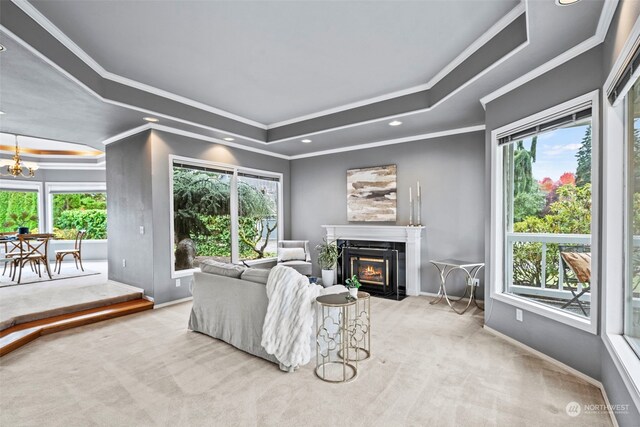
(343, 336)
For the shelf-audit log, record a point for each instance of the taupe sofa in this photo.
(231, 306)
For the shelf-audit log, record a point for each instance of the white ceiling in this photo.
(271, 61)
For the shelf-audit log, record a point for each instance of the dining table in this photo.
(23, 249)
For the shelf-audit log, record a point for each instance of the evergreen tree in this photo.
(583, 172)
(523, 160)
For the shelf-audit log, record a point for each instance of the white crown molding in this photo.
(216, 140)
(117, 103)
(45, 23)
(477, 44)
(188, 134)
(606, 15)
(391, 142)
(52, 29)
(72, 166)
(194, 135)
(413, 112)
(126, 134)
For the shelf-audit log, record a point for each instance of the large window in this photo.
(632, 282)
(223, 213)
(72, 212)
(21, 206)
(543, 213)
(18, 209)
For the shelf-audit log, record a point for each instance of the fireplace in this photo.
(378, 265)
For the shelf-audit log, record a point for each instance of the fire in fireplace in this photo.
(371, 270)
(378, 265)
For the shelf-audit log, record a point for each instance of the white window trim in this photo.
(234, 202)
(497, 279)
(52, 188)
(6, 184)
(614, 243)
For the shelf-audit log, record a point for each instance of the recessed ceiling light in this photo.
(151, 119)
(2, 48)
(395, 123)
(229, 139)
(566, 2)
(306, 141)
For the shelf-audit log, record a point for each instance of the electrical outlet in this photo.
(142, 229)
(124, 262)
(475, 282)
(518, 315)
(178, 283)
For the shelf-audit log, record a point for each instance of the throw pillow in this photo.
(580, 263)
(257, 275)
(291, 254)
(221, 269)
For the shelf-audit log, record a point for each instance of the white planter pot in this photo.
(354, 292)
(328, 277)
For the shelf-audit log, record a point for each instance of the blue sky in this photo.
(556, 152)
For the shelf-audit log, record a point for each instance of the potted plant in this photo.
(328, 254)
(20, 221)
(352, 284)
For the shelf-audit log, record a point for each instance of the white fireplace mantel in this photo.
(410, 235)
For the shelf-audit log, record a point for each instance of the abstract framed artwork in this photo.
(371, 194)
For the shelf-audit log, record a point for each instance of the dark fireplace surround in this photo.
(380, 266)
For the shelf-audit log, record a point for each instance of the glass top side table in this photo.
(471, 269)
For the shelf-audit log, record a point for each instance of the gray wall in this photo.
(129, 177)
(541, 333)
(581, 350)
(164, 144)
(451, 173)
(138, 191)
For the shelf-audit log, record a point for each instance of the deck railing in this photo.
(545, 239)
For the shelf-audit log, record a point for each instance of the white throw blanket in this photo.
(288, 324)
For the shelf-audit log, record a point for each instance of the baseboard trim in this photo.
(560, 365)
(167, 304)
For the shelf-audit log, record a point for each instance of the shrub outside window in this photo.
(223, 213)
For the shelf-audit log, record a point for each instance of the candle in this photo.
(418, 190)
(410, 196)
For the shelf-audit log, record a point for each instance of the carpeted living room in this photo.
(319, 213)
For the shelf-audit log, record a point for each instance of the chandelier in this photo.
(16, 167)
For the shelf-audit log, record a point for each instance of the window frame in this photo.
(235, 259)
(36, 186)
(497, 275)
(52, 188)
(614, 264)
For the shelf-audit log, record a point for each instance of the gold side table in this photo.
(360, 329)
(343, 337)
(332, 339)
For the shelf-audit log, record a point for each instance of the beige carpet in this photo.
(20, 304)
(29, 277)
(430, 367)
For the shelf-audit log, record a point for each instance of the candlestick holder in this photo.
(419, 216)
(410, 213)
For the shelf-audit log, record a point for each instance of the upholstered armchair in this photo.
(295, 254)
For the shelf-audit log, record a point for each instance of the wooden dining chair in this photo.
(76, 252)
(7, 248)
(33, 249)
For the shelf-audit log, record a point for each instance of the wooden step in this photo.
(19, 335)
